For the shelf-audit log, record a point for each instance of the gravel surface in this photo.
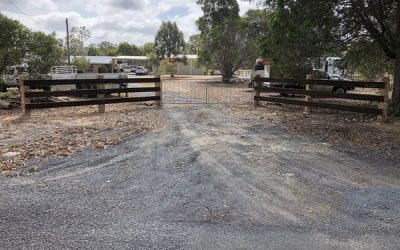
(207, 180)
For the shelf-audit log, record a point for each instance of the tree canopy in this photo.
(77, 37)
(328, 27)
(169, 41)
(19, 45)
(223, 39)
(14, 39)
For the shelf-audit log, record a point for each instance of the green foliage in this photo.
(92, 50)
(169, 41)
(82, 64)
(147, 48)
(294, 33)
(223, 38)
(19, 45)
(366, 58)
(44, 52)
(193, 45)
(14, 39)
(77, 36)
(311, 29)
(11, 93)
(126, 49)
(102, 69)
(168, 67)
(107, 49)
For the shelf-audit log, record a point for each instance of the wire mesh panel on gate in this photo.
(177, 91)
(182, 91)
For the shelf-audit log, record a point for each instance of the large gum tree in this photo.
(223, 39)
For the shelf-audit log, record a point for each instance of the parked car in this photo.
(141, 70)
(128, 69)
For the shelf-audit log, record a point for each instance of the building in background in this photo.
(97, 61)
(115, 63)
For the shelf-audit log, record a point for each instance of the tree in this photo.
(169, 42)
(107, 49)
(77, 37)
(82, 64)
(147, 48)
(45, 51)
(365, 57)
(222, 37)
(102, 69)
(92, 50)
(125, 49)
(14, 39)
(380, 21)
(193, 45)
(294, 35)
(375, 21)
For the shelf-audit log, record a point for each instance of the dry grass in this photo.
(63, 131)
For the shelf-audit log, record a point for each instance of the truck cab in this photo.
(10, 77)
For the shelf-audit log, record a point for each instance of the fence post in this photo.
(307, 109)
(102, 107)
(23, 89)
(257, 90)
(385, 93)
(158, 93)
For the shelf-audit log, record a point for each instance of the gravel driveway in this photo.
(207, 180)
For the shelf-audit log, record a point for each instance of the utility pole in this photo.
(66, 22)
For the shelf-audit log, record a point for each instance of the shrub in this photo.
(82, 64)
(102, 69)
(169, 67)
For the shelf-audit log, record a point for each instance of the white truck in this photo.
(335, 67)
(10, 78)
(63, 72)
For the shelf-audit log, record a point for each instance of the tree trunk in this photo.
(396, 84)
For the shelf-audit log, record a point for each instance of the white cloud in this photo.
(116, 21)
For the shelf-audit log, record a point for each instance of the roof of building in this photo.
(97, 59)
(108, 59)
(143, 58)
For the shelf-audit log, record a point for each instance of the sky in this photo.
(132, 21)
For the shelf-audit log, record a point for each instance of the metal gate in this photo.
(205, 91)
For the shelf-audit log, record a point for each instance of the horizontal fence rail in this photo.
(80, 92)
(304, 87)
(334, 83)
(94, 93)
(36, 83)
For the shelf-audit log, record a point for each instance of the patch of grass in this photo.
(11, 93)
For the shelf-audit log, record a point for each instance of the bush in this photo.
(169, 67)
(82, 64)
(102, 69)
(11, 93)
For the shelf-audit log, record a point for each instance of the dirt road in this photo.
(207, 180)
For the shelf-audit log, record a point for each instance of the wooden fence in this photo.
(27, 94)
(305, 88)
